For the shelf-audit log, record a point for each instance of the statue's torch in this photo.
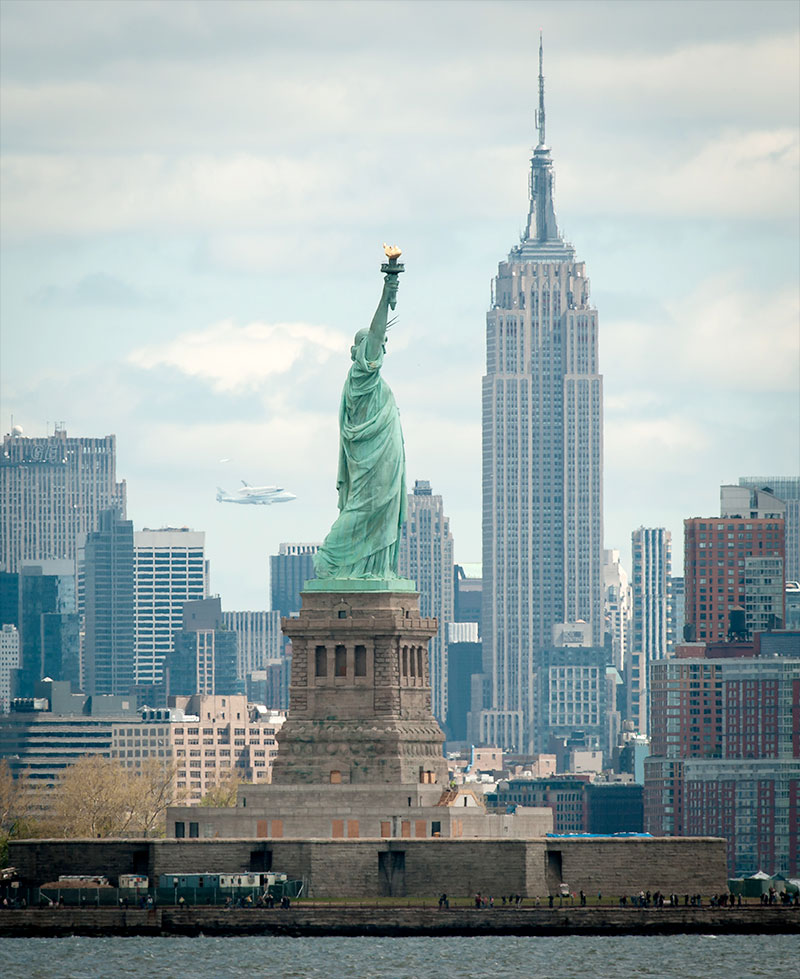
(392, 266)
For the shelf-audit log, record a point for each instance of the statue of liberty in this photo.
(364, 539)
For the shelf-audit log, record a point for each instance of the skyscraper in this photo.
(468, 594)
(261, 656)
(742, 501)
(169, 570)
(786, 489)
(9, 660)
(617, 607)
(53, 490)
(764, 594)
(652, 625)
(571, 693)
(289, 569)
(426, 556)
(724, 753)
(717, 550)
(49, 631)
(9, 598)
(542, 458)
(202, 659)
(464, 661)
(258, 639)
(109, 606)
(678, 607)
(764, 575)
(467, 677)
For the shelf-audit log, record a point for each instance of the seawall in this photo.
(364, 869)
(303, 921)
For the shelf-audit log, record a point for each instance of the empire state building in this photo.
(542, 461)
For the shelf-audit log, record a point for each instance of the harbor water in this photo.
(501, 957)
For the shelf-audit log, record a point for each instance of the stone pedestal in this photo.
(360, 696)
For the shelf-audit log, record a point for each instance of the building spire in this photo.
(542, 230)
(540, 114)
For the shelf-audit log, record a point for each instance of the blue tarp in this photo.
(596, 836)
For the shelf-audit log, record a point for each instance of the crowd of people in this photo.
(644, 899)
(262, 901)
(781, 897)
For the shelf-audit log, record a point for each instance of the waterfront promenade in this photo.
(308, 919)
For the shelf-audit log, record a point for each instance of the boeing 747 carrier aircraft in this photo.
(265, 495)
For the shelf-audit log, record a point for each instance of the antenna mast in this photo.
(540, 112)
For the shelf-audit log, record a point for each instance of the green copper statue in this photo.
(363, 541)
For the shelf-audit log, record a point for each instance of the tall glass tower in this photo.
(52, 491)
(542, 459)
(109, 606)
(169, 570)
(426, 556)
(653, 623)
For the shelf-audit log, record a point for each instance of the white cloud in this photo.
(293, 443)
(694, 399)
(85, 194)
(244, 145)
(732, 338)
(720, 336)
(755, 77)
(654, 444)
(733, 173)
(243, 158)
(749, 173)
(267, 249)
(235, 358)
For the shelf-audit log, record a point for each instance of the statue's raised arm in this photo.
(388, 300)
(363, 541)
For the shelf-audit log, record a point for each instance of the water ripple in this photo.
(501, 957)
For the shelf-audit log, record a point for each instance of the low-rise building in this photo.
(414, 811)
(563, 795)
(614, 807)
(44, 734)
(208, 738)
(223, 737)
(578, 804)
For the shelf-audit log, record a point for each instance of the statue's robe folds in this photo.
(363, 541)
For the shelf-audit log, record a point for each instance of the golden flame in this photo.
(392, 251)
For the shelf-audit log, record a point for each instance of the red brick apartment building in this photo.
(725, 758)
(733, 563)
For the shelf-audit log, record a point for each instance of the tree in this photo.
(9, 806)
(93, 797)
(9, 798)
(100, 797)
(155, 789)
(19, 809)
(223, 794)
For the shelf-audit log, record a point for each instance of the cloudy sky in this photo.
(195, 194)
